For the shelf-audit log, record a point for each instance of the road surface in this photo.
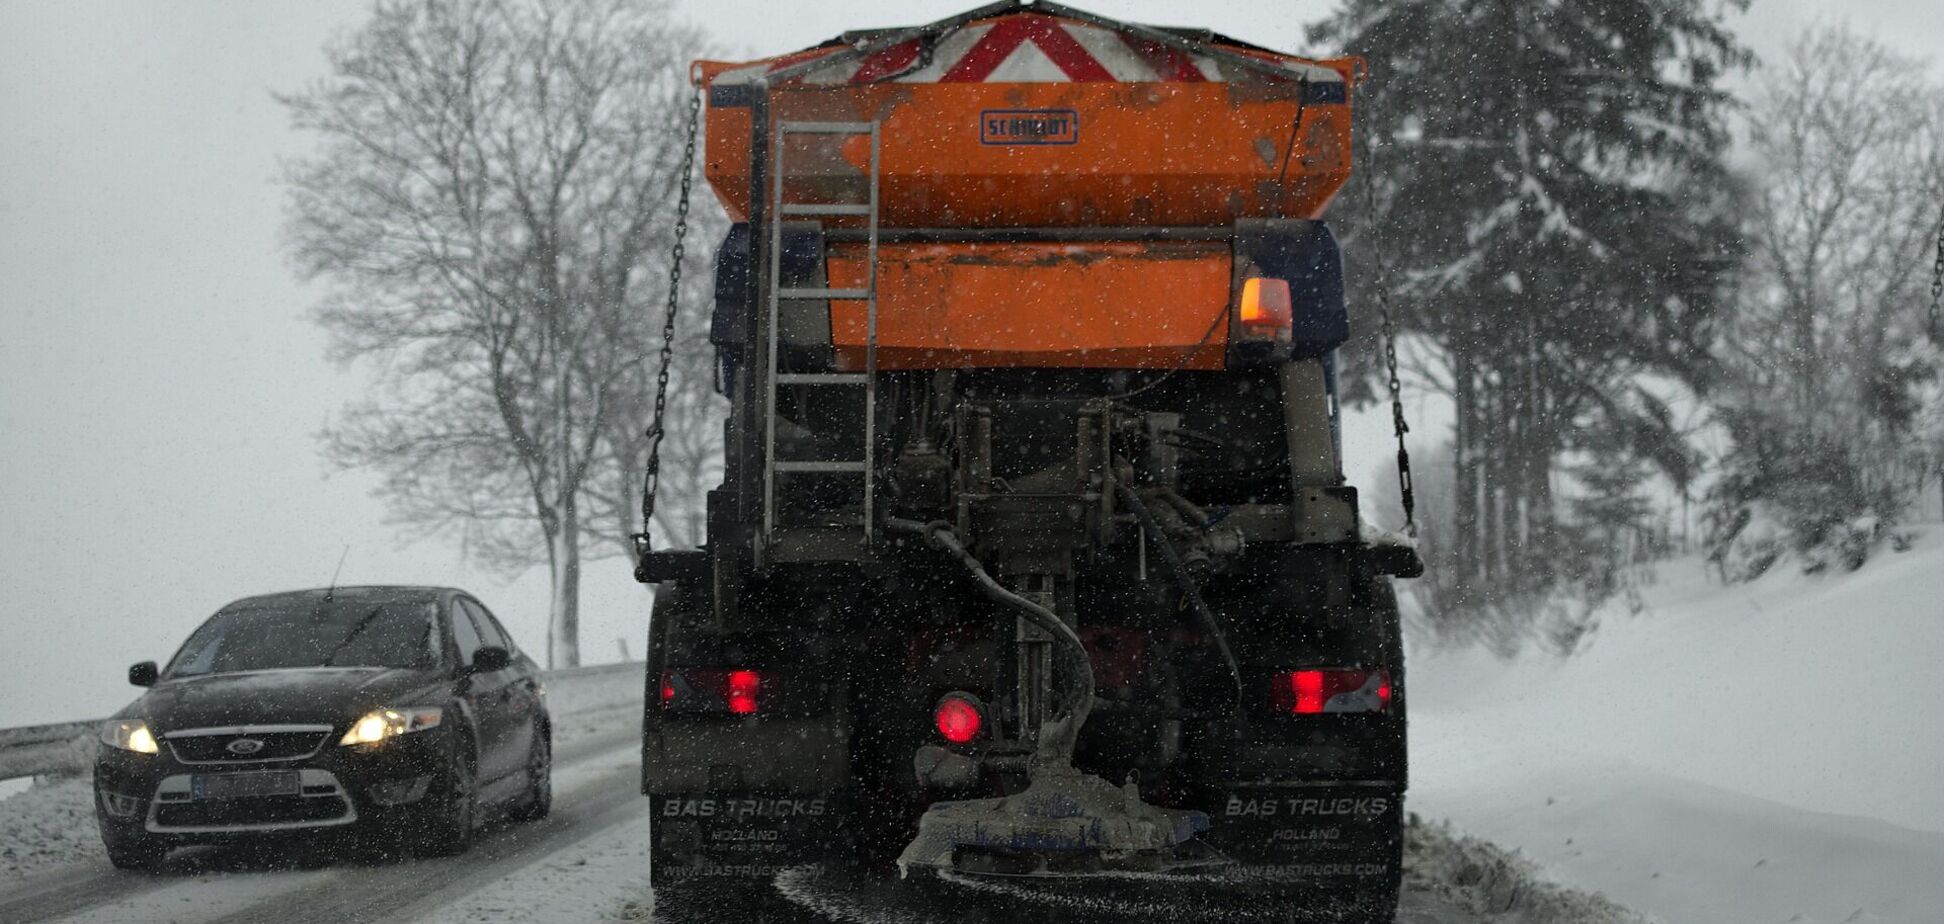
(585, 863)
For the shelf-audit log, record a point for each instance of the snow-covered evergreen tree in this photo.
(1549, 208)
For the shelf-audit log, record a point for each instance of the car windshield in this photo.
(310, 631)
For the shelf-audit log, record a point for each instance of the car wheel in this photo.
(448, 827)
(134, 851)
(537, 801)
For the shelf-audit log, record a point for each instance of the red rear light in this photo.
(743, 686)
(958, 718)
(1313, 692)
(1307, 687)
(689, 689)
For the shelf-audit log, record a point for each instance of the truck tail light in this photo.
(1336, 690)
(1265, 309)
(959, 718)
(742, 689)
(711, 690)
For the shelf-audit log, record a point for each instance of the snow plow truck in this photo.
(1033, 554)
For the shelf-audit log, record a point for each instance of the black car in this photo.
(401, 712)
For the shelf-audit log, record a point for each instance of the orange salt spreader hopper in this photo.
(1055, 188)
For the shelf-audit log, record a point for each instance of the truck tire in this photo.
(1332, 828)
(1375, 906)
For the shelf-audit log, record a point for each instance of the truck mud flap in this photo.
(1310, 832)
(742, 835)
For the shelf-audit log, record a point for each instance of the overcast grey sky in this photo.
(160, 383)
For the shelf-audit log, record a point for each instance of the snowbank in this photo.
(1484, 879)
(49, 824)
(1759, 752)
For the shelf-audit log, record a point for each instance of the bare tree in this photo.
(490, 204)
(691, 449)
(1851, 139)
(1834, 404)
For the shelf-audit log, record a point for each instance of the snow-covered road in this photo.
(595, 793)
(588, 863)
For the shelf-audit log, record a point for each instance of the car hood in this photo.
(308, 696)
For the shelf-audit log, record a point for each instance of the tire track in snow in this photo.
(68, 889)
(407, 890)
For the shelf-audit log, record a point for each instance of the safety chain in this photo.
(1937, 285)
(651, 473)
(1406, 488)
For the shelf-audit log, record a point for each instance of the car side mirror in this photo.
(143, 674)
(490, 658)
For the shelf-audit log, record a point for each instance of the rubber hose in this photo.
(1188, 588)
(1058, 735)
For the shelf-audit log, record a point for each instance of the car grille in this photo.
(263, 810)
(215, 747)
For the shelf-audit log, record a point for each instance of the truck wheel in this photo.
(1374, 903)
(1374, 906)
(708, 898)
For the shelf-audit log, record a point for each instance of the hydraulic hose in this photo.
(1182, 579)
(1057, 735)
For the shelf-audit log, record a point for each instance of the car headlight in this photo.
(383, 724)
(129, 735)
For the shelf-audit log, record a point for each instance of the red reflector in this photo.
(1308, 689)
(736, 692)
(958, 719)
(1312, 692)
(742, 691)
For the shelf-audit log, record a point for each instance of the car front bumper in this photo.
(160, 795)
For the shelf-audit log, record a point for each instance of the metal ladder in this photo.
(778, 293)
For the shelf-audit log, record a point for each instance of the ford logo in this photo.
(243, 747)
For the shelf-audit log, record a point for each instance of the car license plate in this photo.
(245, 785)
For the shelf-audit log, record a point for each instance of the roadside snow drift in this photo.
(1751, 753)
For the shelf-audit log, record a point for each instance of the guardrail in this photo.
(69, 747)
(66, 747)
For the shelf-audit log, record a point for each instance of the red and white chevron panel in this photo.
(1024, 48)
